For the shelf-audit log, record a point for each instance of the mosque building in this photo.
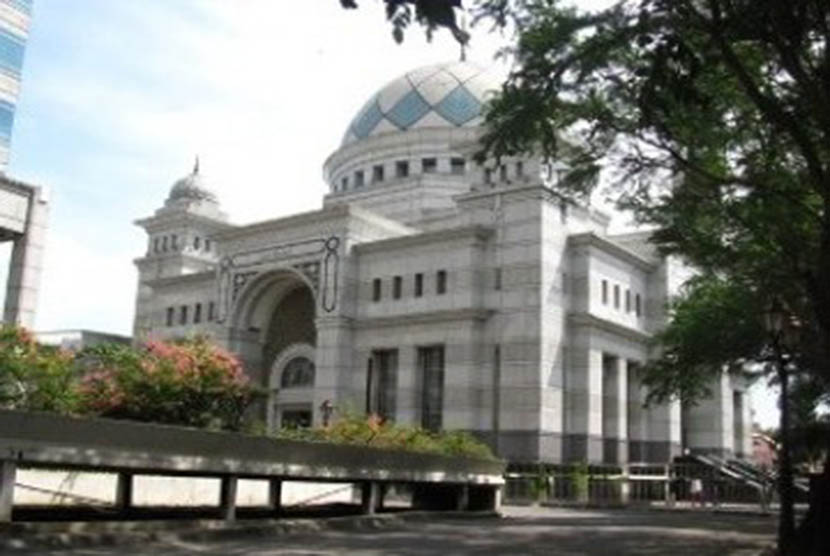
(434, 291)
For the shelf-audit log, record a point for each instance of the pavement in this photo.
(521, 531)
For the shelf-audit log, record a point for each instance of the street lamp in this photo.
(784, 331)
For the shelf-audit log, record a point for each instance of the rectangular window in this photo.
(605, 292)
(637, 305)
(376, 289)
(497, 278)
(197, 242)
(164, 244)
(419, 284)
(377, 173)
(170, 316)
(488, 176)
(156, 245)
(503, 172)
(458, 166)
(384, 383)
(520, 169)
(441, 282)
(211, 311)
(344, 183)
(431, 367)
(397, 287)
(358, 178)
(183, 314)
(627, 301)
(197, 313)
(174, 242)
(429, 165)
(402, 169)
(207, 245)
(616, 296)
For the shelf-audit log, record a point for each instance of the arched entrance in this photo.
(273, 329)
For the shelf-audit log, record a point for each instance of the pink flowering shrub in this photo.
(32, 376)
(191, 382)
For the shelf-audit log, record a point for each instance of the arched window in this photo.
(298, 373)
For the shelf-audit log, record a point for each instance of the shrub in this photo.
(191, 382)
(35, 377)
(373, 431)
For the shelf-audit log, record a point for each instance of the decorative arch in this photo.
(260, 292)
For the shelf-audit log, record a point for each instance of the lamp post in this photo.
(783, 330)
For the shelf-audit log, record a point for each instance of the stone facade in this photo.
(435, 291)
(24, 213)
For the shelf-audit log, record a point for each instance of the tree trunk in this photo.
(786, 517)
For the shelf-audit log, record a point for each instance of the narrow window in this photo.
(383, 396)
(441, 282)
(164, 244)
(211, 311)
(358, 179)
(207, 245)
(503, 172)
(183, 314)
(402, 169)
(616, 296)
(520, 169)
(458, 166)
(431, 366)
(156, 245)
(197, 243)
(497, 278)
(627, 301)
(170, 313)
(563, 212)
(605, 292)
(376, 289)
(174, 243)
(344, 183)
(429, 165)
(488, 176)
(397, 287)
(197, 313)
(565, 283)
(637, 305)
(377, 173)
(419, 284)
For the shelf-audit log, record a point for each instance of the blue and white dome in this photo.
(441, 95)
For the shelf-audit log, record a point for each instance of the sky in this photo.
(119, 96)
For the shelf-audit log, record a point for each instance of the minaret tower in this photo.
(180, 241)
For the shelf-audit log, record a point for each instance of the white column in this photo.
(25, 265)
(584, 408)
(614, 418)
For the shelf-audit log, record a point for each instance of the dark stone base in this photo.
(649, 451)
(582, 447)
(614, 450)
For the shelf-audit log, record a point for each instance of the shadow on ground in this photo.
(531, 531)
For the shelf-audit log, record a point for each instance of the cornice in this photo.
(587, 320)
(476, 233)
(184, 279)
(428, 317)
(590, 239)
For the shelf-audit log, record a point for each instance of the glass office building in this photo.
(14, 30)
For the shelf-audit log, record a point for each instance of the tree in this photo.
(715, 115)
(431, 14)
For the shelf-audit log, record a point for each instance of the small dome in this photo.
(192, 187)
(442, 95)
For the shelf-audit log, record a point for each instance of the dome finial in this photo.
(196, 166)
